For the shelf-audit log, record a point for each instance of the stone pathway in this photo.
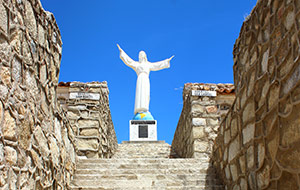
(144, 166)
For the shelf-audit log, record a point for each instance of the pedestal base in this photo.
(141, 130)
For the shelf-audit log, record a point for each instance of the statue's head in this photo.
(142, 56)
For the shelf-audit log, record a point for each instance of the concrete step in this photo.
(144, 166)
(158, 149)
(133, 176)
(133, 184)
(147, 171)
(144, 160)
(148, 188)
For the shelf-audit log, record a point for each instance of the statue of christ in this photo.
(142, 69)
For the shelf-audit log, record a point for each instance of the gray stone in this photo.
(57, 130)
(264, 62)
(248, 112)
(55, 152)
(234, 149)
(42, 141)
(248, 133)
(233, 127)
(260, 154)
(3, 18)
(30, 21)
(1, 154)
(243, 184)
(250, 157)
(41, 35)
(43, 73)
(289, 20)
(226, 136)
(1, 112)
(16, 70)
(263, 177)
(227, 172)
(242, 164)
(234, 172)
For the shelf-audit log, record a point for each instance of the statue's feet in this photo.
(143, 116)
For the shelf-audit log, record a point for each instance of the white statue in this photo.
(142, 69)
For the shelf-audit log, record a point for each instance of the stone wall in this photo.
(204, 105)
(36, 139)
(87, 107)
(258, 143)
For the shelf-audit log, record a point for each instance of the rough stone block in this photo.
(55, 151)
(211, 109)
(233, 127)
(213, 121)
(10, 155)
(30, 21)
(9, 126)
(234, 172)
(227, 172)
(234, 148)
(3, 18)
(89, 132)
(201, 146)
(42, 141)
(199, 121)
(260, 154)
(250, 157)
(87, 144)
(248, 112)
(242, 163)
(289, 20)
(198, 132)
(263, 177)
(5, 75)
(197, 109)
(248, 133)
(88, 123)
(226, 136)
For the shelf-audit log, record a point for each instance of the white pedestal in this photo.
(141, 130)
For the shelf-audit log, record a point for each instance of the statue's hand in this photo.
(170, 58)
(119, 48)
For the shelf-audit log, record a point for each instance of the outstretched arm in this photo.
(126, 59)
(156, 66)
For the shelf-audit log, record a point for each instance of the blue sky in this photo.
(200, 34)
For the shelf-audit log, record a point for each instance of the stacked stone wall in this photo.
(258, 143)
(87, 108)
(204, 105)
(36, 140)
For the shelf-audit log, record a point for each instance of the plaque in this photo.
(143, 131)
(135, 122)
(84, 95)
(203, 93)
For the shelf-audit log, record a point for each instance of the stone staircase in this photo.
(138, 166)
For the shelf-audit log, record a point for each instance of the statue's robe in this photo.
(142, 92)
